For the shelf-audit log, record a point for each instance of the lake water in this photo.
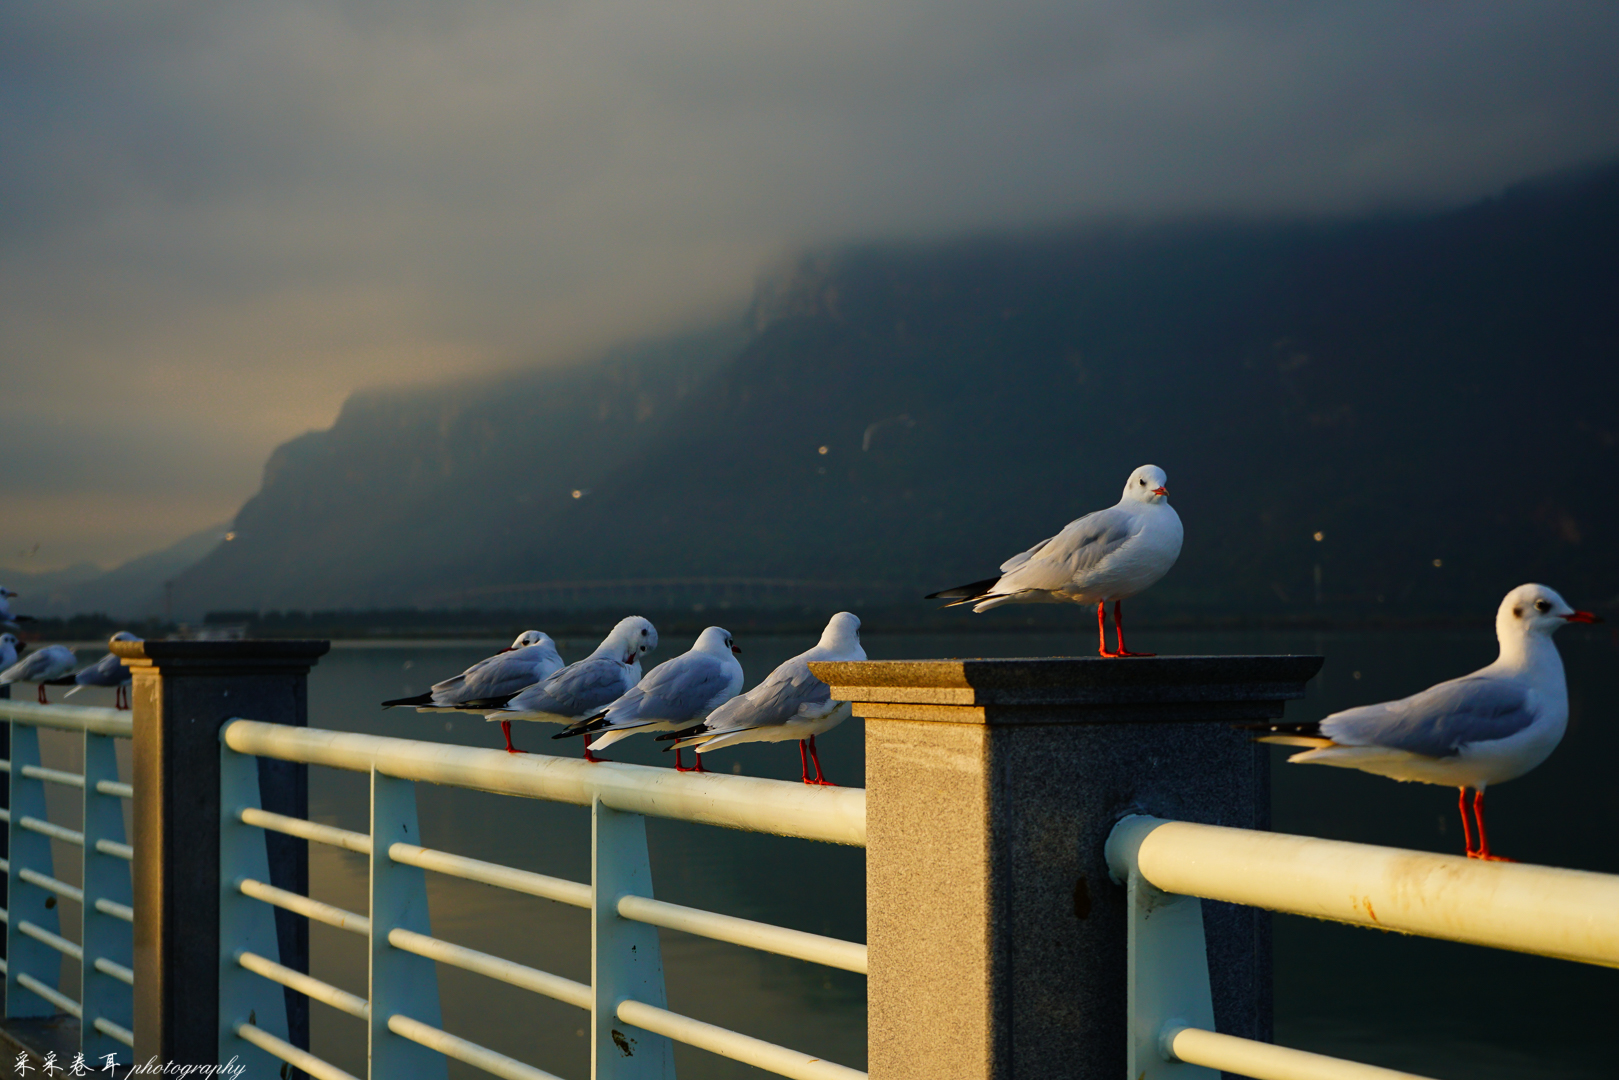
(1430, 1007)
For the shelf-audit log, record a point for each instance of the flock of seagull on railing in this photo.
(1484, 728)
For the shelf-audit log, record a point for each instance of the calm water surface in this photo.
(1430, 1007)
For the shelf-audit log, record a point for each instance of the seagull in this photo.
(531, 658)
(1112, 554)
(791, 704)
(582, 689)
(673, 695)
(10, 650)
(1481, 729)
(6, 596)
(40, 667)
(108, 671)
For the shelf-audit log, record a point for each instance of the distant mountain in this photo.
(1431, 394)
(132, 590)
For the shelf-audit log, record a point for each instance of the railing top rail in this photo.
(834, 815)
(99, 721)
(1548, 911)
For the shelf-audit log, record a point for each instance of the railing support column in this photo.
(106, 877)
(625, 959)
(183, 691)
(997, 941)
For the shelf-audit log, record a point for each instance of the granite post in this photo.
(183, 692)
(997, 940)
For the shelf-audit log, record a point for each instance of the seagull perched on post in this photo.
(582, 689)
(6, 596)
(108, 671)
(531, 658)
(672, 695)
(1111, 554)
(1481, 729)
(40, 667)
(791, 704)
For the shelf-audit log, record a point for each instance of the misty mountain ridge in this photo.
(1430, 393)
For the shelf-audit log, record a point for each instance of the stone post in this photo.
(183, 692)
(997, 939)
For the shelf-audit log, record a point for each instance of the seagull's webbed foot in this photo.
(506, 730)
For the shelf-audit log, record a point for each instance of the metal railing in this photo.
(35, 946)
(1170, 867)
(401, 1008)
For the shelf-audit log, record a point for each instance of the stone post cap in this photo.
(221, 657)
(1068, 689)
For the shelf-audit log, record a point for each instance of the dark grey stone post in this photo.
(997, 939)
(183, 692)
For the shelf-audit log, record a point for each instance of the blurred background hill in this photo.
(1430, 394)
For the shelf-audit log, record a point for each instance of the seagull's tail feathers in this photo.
(61, 680)
(405, 702)
(584, 727)
(684, 737)
(965, 594)
(1299, 733)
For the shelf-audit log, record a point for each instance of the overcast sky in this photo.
(220, 218)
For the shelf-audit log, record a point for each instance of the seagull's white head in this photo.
(716, 640)
(122, 635)
(8, 640)
(631, 639)
(842, 632)
(1535, 610)
(527, 638)
(1147, 484)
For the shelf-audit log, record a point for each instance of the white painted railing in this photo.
(401, 1010)
(103, 903)
(1169, 868)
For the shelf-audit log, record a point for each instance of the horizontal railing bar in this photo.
(60, 1000)
(55, 941)
(1263, 1061)
(313, 988)
(733, 1044)
(1570, 914)
(298, 1059)
(5, 866)
(798, 944)
(308, 830)
(50, 884)
(94, 719)
(5, 815)
(461, 1050)
(116, 970)
(480, 963)
(487, 873)
(5, 766)
(115, 849)
(2, 965)
(303, 905)
(836, 815)
(55, 832)
(112, 1030)
(54, 776)
(116, 788)
(5, 916)
(115, 909)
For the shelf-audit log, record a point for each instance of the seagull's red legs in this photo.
(1467, 826)
(506, 730)
(1101, 629)
(819, 779)
(1118, 628)
(120, 696)
(1483, 850)
(695, 768)
(42, 699)
(588, 755)
(803, 761)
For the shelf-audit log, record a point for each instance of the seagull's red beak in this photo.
(1583, 616)
(737, 649)
(1160, 491)
(507, 649)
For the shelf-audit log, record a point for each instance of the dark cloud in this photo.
(220, 219)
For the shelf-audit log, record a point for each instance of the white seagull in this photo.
(531, 658)
(791, 704)
(673, 695)
(1481, 729)
(1112, 554)
(10, 649)
(40, 667)
(584, 688)
(6, 596)
(108, 671)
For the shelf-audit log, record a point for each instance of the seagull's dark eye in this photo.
(1543, 605)
(1143, 483)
